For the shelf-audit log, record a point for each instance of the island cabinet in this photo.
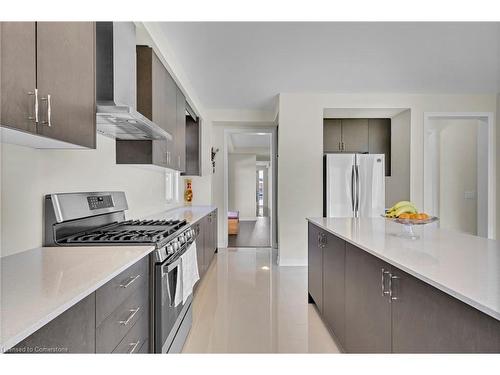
(48, 80)
(333, 268)
(367, 307)
(427, 320)
(371, 306)
(315, 264)
(113, 319)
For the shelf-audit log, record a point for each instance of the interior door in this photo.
(355, 135)
(66, 72)
(18, 75)
(370, 184)
(340, 185)
(367, 309)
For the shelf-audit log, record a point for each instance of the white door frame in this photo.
(429, 181)
(273, 213)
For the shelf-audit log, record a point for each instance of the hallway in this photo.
(247, 304)
(252, 234)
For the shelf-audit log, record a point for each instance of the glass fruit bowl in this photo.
(408, 224)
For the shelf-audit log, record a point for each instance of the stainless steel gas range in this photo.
(98, 219)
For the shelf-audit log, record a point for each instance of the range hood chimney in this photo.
(116, 82)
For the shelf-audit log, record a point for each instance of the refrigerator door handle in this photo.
(352, 189)
(358, 187)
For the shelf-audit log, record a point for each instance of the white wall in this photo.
(458, 174)
(300, 152)
(397, 185)
(241, 180)
(28, 174)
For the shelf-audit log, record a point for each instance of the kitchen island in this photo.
(378, 292)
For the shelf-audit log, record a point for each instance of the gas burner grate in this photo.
(130, 232)
(154, 222)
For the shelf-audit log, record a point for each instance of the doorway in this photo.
(459, 174)
(249, 182)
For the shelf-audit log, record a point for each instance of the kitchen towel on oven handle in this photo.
(190, 274)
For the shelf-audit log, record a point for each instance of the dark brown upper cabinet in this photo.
(48, 80)
(159, 100)
(353, 135)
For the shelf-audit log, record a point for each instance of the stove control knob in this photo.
(170, 249)
(188, 234)
(192, 232)
(175, 245)
(182, 239)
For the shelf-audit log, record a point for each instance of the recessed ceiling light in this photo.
(265, 268)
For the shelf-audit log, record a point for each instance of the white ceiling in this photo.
(244, 65)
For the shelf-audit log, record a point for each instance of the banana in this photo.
(400, 208)
(401, 204)
(405, 209)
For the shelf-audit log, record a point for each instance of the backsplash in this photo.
(28, 174)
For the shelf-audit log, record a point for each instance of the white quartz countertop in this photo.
(464, 266)
(40, 284)
(191, 213)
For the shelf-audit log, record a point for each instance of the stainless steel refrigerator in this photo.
(354, 185)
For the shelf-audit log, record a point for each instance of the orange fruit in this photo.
(413, 216)
(404, 216)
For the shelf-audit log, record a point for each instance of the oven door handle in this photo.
(169, 267)
(178, 285)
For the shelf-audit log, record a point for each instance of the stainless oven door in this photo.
(167, 311)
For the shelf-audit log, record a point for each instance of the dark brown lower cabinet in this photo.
(115, 318)
(427, 320)
(206, 241)
(334, 286)
(315, 267)
(71, 332)
(373, 307)
(367, 310)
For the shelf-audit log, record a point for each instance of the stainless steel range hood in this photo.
(116, 82)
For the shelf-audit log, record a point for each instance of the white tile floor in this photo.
(247, 304)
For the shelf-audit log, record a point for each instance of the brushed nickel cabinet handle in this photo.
(49, 111)
(130, 317)
(384, 292)
(391, 292)
(134, 346)
(130, 281)
(34, 93)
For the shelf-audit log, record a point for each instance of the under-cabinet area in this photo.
(371, 306)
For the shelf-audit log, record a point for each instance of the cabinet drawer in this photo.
(136, 338)
(117, 290)
(112, 330)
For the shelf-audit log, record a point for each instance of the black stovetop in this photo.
(130, 231)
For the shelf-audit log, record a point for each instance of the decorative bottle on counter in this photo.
(188, 191)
